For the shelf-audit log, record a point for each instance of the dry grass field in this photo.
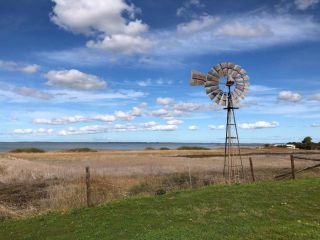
(32, 183)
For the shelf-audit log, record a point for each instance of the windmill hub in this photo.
(226, 74)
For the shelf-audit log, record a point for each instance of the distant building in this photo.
(290, 146)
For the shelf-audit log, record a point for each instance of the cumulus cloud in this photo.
(40, 131)
(259, 125)
(249, 30)
(316, 97)
(118, 115)
(196, 25)
(214, 127)
(289, 96)
(316, 125)
(33, 93)
(164, 101)
(94, 129)
(14, 66)
(305, 4)
(187, 7)
(188, 107)
(105, 21)
(193, 128)
(174, 122)
(74, 79)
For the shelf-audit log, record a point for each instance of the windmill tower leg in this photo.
(233, 168)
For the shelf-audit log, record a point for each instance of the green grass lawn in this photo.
(272, 210)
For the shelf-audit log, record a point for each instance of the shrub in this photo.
(164, 148)
(140, 188)
(27, 150)
(179, 180)
(160, 191)
(192, 148)
(149, 148)
(81, 150)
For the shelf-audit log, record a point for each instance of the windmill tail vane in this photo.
(225, 84)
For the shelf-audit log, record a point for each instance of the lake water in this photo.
(54, 146)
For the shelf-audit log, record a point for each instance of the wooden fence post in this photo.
(292, 167)
(251, 168)
(88, 187)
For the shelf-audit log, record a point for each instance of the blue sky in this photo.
(116, 70)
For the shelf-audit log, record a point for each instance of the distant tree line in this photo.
(306, 143)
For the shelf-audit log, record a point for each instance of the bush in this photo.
(164, 148)
(179, 180)
(192, 148)
(27, 150)
(160, 191)
(81, 150)
(140, 188)
(149, 148)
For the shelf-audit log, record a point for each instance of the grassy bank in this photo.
(271, 210)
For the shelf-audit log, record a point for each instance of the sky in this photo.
(119, 70)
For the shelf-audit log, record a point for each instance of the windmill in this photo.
(226, 84)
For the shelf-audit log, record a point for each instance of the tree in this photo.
(307, 142)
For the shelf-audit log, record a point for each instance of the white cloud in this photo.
(240, 29)
(74, 79)
(164, 101)
(118, 115)
(289, 96)
(187, 7)
(316, 125)
(83, 130)
(214, 127)
(39, 131)
(105, 20)
(33, 68)
(174, 122)
(316, 97)
(188, 107)
(164, 128)
(305, 4)
(196, 25)
(30, 92)
(193, 128)
(14, 66)
(259, 125)
(123, 43)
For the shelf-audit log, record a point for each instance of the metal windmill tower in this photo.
(226, 83)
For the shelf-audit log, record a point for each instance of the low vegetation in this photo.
(192, 148)
(81, 150)
(27, 150)
(269, 210)
(307, 144)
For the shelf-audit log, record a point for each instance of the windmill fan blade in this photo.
(217, 67)
(213, 72)
(224, 65)
(235, 99)
(211, 84)
(245, 77)
(240, 88)
(242, 71)
(237, 68)
(219, 97)
(230, 65)
(245, 84)
(211, 78)
(224, 100)
(239, 93)
(221, 73)
(213, 94)
(225, 71)
(211, 89)
(197, 78)
(231, 71)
